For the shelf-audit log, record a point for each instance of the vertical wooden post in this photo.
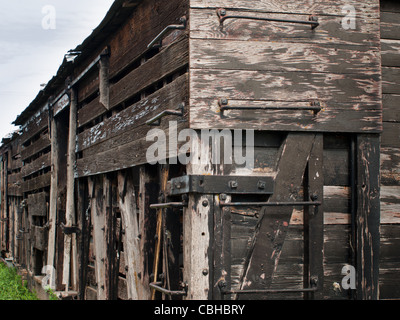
(96, 189)
(315, 218)
(53, 195)
(70, 240)
(197, 229)
(104, 85)
(148, 193)
(127, 205)
(368, 216)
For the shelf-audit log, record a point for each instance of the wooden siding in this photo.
(390, 153)
(276, 65)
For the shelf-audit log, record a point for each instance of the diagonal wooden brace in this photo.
(272, 228)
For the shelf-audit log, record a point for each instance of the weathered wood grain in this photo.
(390, 80)
(390, 204)
(278, 86)
(390, 25)
(390, 51)
(390, 166)
(98, 219)
(391, 110)
(127, 205)
(368, 216)
(282, 56)
(39, 238)
(391, 135)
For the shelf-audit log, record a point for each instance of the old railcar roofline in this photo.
(116, 15)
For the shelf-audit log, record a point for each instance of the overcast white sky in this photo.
(33, 42)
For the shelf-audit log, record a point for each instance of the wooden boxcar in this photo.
(309, 90)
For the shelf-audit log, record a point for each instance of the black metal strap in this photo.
(223, 104)
(222, 15)
(156, 121)
(156, 42)
(270, 204)
(167, 205)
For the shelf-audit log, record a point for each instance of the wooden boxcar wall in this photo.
(244, 64)
(251, 64)
(390, 157)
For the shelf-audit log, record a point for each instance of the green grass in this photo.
(12, 287)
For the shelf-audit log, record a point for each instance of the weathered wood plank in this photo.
(124, 155)
(390, 166)
(390, 80)
(36, 165)
(282, 56)
(39, 238)
(143, 26)
(391, 110)
(98, 219)
(149, 191)
(36, 183)
(334, 117)
(90, 111)
(289, 86)
(204, 24)
(390, 51)
(37, 204)
(390, 25)
(34, 126)
(368, 216)
(318, 7)
(390, 204)
(173, 58)
(391, 135)
(315, 218)
(131, 118)
(127, 205)
(36, 147)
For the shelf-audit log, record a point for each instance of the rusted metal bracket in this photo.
(156, 121)
(158, 287)
(156, 42)
(221, 184)
(315, 106)
(222, 16)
